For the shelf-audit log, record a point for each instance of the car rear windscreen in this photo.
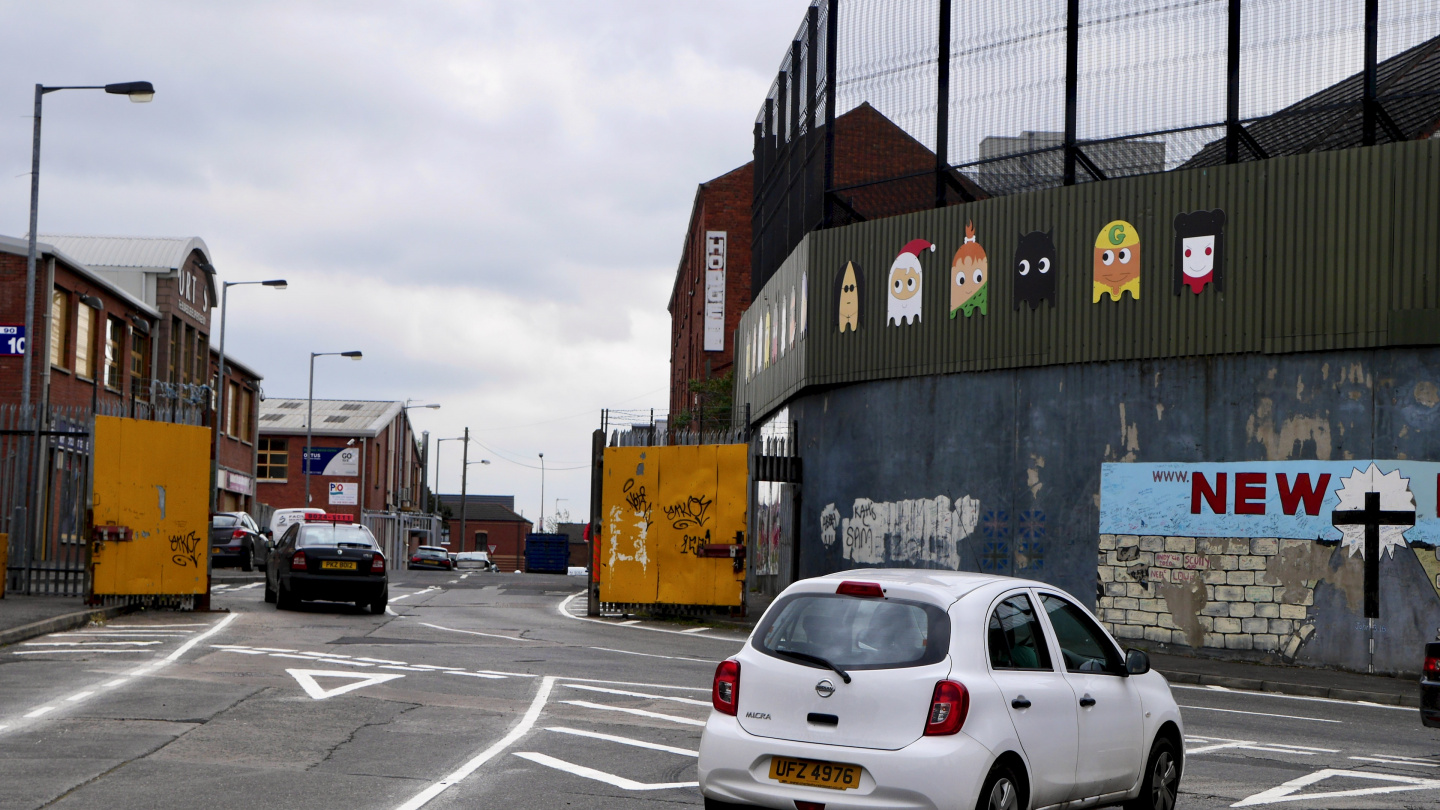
(333, 535)
(223, 521)
(856, 633)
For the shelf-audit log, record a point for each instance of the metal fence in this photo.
(393, 530)
(652, 428)
(881, 108)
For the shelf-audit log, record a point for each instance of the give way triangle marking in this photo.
(1287, 792)
(306, 679)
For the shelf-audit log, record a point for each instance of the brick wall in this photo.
(508, 537)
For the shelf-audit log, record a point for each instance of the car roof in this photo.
(940, 586)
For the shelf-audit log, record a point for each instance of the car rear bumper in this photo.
(930, 773)
(1430, 703)
(232, 555)
(333, 588)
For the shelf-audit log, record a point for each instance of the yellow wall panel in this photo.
(631, 479)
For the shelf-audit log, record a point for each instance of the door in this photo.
(1111, 754)
(1039, 698)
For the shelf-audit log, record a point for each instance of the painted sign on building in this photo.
(344, 493)
(339, 461)
(715, 291)
(12, 341)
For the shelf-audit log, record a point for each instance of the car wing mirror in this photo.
(1136, 662)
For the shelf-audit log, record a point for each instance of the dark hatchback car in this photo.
(235, 540)
(1430, 686)
(431, 557)
(327, 558)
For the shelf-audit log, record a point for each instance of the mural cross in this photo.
(1372, 517)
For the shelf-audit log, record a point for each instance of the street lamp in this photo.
(542, 492)
(310, 420)
(464, 471)
(274, 283)
(424, 454)
(137, 91)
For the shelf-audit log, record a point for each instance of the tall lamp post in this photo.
(425, 453)
(310, 421)
(437, 455)
(464, 504)
(542, 492)
(274, 283)
(138, 92)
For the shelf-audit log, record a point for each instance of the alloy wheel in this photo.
(1163, 781)
(1003, 796)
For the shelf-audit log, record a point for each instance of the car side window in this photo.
(1015, 638)
(1083, 644)
(289, 537)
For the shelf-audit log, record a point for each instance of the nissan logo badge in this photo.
(825, 688)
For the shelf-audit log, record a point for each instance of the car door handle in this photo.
(1087, 701)
(1020, 702)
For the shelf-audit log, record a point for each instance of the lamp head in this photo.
(139, 92)
(352, 355)
(92, 301)
(277, 283)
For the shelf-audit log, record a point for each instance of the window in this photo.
(201, 358)
(177, 346)
(114, 352)
(85, 342)
(187, 356)
(230, 403)
(244, 415)
(140, 365)
(59, 327)
(1015, 638)
(855, 633)
(273, 463)
(1082, 643)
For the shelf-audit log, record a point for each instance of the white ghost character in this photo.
(904, 287)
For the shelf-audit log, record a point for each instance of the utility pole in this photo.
(464, 471)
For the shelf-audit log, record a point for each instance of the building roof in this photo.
(1407, 85)
(486, 511)
(231, 362)
(333, 417)
(163, 253)
(21, 247)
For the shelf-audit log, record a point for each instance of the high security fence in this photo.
(985, 98)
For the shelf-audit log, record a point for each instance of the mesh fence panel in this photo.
(886, 56)
(1290, 51)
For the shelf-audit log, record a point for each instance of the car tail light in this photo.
(1432, 667)
(377, 565)
(416, 558)
(799, 805)
(948, 706)
(860, 589)
(237, 534)
(725, 695)
(297, 561)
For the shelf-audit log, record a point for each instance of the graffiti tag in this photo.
(689, 512)
(690, 544)
(186, 550)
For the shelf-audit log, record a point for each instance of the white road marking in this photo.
(1405, 761)
(599, 776)
(380, 660)
(476, 674)
(275, 649)
(564, 610)
(306, 679)
(114, 683)
(403, 668)
(1250, 693)
(507, 674)
(1261, 714)
(87, 643)
(248, 587)
(652, 655)
(82, 650)
(476, 633)
(695, 630)
(1287, 792)
(79, 696)
(625, 741)
(628, 623)
(1208, 744)
(39, 711)
(585, 704)
(690, 701)
(521, 729)
(126, 632)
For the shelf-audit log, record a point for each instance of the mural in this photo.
(969, 273)
(1230, 555)
(1117, 262)
(923, 533)
(904, 285)
(1200, 250)
(848, 295)
(1035, 269)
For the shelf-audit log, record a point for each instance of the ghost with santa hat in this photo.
(905, 288)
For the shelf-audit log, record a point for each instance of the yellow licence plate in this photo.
(336, 565)
(815, 774)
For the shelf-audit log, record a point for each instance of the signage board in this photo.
(338, 461)
(12, 340)
(344, 493)
(715, 291)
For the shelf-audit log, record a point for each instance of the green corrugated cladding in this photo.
(1333, 250)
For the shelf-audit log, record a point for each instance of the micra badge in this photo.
(757, 716)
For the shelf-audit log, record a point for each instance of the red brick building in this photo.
(364, 455)
(490, 522)
(93, 340)
(235, 482)
(717, 240)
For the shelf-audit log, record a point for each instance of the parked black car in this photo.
(235, 540)
(327, 558)
(1430, 686)
(431, 557)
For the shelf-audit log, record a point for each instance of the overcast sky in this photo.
(487, 198)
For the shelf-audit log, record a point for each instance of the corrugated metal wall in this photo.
(1319, 250)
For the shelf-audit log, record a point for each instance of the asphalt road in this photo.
(489, 690)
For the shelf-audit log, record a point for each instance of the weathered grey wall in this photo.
(1027, 445)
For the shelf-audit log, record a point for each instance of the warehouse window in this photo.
(85, 343)
(59, 327)
(273, 463)
(114, 352)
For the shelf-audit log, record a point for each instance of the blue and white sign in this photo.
(344, 493)
(12, 340)
(337, 461)
(1329, 501)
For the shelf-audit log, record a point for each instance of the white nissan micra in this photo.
(924, 689)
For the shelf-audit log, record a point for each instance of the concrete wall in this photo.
(1000, 472)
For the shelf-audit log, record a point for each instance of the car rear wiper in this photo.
(353, 545)
(815, 659)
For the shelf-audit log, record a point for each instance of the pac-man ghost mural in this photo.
(1035, 269)
(969, 274)
(1200, 250)
(1117, 261)
(847, 298)
(905, 284)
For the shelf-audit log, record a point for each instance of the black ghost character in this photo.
(1035, 269)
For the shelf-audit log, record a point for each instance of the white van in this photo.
(282, 519)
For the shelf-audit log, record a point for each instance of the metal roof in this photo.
(333, 417)
(147, 252)
(482, 511)
(21, 247)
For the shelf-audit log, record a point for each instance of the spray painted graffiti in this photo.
(925, 532)
(639, 514)
(186, 548)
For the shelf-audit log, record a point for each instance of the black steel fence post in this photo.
(1072, 64)
(942, 105)
(1232, 86)
(832, 35)
(1369, 101)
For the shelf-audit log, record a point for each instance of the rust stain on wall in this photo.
(1301, 564)
(1185, 603)
(1284, 442)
